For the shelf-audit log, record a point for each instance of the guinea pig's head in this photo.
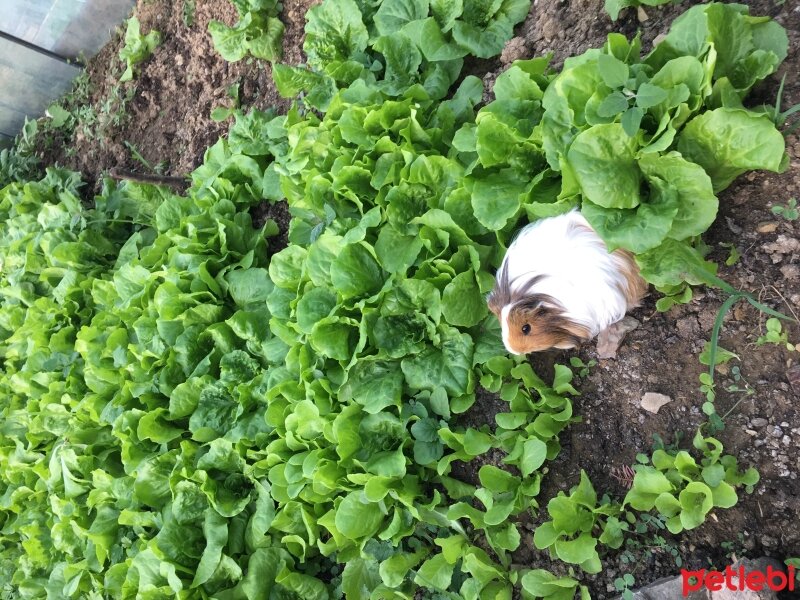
(530, 321)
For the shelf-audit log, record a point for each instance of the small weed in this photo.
(583, 368)
(733, 254)
(223, 112)
(734, 549)
(775, 335)
(136, 155)
(624, 584)
(188, 12)
(658, 444)
(648, 530)
(789, 211)
(723, 355)
(780, 118)
(737, 380)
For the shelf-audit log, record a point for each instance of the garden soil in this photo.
(164, 115)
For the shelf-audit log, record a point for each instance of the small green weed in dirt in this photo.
(775, 335)
(158, 168)
(733, 254)
(137, 48)
(624, 584)
(781, 118)
(583, 368)
(221, 113)
(734, 549)
(788, 211)
(723, 356)
(660, 444)
(647, 538)
(188, 12)
(738, 381)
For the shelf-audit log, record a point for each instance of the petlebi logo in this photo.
(739, 579)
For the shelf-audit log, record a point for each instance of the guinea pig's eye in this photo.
(526, 329)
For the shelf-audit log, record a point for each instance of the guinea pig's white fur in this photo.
(564, 263)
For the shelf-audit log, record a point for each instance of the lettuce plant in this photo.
(137, 48)
(258, 31)
(684, 491)
(399, 47)
(570, 534)
(614, 7)
(540, 583)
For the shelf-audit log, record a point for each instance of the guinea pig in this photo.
(559, 286)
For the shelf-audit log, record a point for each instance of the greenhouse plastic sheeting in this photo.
(29, 82)
(32, 73)
(67, 27)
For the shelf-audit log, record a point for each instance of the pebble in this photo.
(786, 440)
(776, 432)
(767, 227)
(652, 401)
(758, 422)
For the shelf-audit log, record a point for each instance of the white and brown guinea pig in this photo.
(559, 286)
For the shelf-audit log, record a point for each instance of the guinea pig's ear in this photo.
(536, 324)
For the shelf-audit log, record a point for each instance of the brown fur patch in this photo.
(635, 287)
(548, 328)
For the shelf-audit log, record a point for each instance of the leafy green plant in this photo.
(775, 335)
(221, 113)
(794, 562)
(646, 537)
(722, 355)
(539, 583)
(624, 584)
(398, 47)
(258, 31)
(188, 11)
(583, 367)
(614, 7)
(137, 48)
(683, 491)
(788, 211)
(733, 254)
(569, 535)
(19, 162)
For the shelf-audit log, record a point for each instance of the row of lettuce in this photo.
(185, 416)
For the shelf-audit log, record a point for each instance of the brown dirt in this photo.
(167, 119)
